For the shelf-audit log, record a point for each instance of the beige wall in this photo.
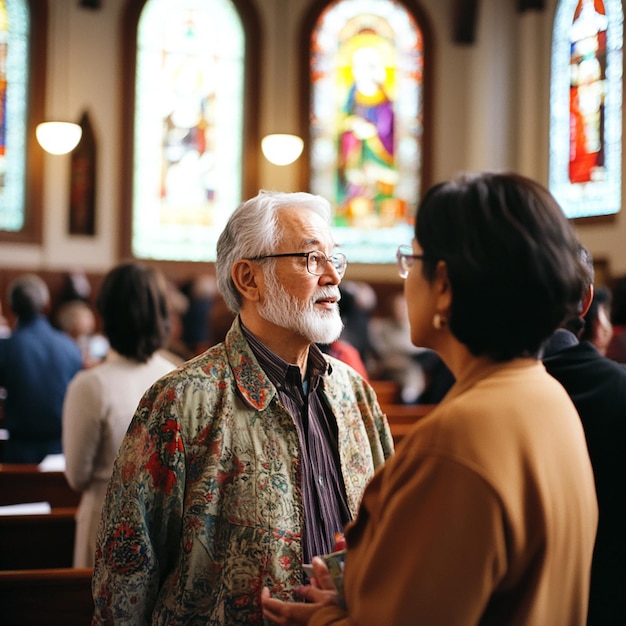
(490, 111)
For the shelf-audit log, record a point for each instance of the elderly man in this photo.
(244, 463)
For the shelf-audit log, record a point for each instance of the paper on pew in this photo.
(29, 508)
(53, 463)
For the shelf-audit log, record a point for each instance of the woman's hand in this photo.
(321, 592)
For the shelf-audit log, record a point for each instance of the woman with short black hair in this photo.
(487, 512)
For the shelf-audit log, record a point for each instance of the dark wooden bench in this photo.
(387, 391)
(401, 417)
(20, 483)
(37, 541)
(56, 597)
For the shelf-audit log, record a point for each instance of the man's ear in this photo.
(245, 275)
(585, 301)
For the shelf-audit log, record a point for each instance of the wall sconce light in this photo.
(282, 149)
(58, 137)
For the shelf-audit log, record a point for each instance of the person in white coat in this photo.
(101, 401)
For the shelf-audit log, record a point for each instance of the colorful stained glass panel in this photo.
(366, 141)
(586, 107)
(188, 127)
(14, 64)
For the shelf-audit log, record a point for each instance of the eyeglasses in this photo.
(315, 261)
(406, 258)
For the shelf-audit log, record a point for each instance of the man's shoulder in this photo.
(587, 375)
(209, 365)
(581, 351)
(618, 370)
(346, 384)
(342, 372)
(41, 329)
(584, 353)
(210, 362)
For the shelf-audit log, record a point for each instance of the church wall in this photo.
(490, 110)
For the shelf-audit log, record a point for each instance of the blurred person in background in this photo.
(100, 402)
(77, 319)
(616, 349)
(598, 328)
(422, 376)
(356, 307)
(37, 362)
(197, 332)
(597, 386)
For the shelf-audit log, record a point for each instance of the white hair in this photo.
(254, 230)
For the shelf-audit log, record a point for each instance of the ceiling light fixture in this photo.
(56, 136)
(281, 148)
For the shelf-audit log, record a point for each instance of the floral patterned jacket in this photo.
(204, 507)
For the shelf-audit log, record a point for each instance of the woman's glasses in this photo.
(406, 258)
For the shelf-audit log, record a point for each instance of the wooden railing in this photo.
(387, 391)
(58, 597)
(402, 417)
(21, 483)
(37, 541)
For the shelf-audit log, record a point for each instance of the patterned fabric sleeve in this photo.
(140, 526)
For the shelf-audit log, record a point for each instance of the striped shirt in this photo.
(324, 496)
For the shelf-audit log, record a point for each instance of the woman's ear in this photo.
(442, 287)
(244, 274)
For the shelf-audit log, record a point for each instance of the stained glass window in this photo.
(14, 64)
(188, 127)
(367, 123)
(586, 107)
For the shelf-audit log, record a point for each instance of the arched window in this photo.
(22, 50)
(188, 125)
(586, 107)
(368, 128)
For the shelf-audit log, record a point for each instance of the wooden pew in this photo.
(56, 597)
(387, 391)
(37, 541)
(401, 417)
(20, 483)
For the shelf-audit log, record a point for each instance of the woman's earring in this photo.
(439, 321)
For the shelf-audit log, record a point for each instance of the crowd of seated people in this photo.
(375, 340)
(376, 345)
(423, 378)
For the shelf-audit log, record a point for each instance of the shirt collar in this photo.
(277, 369)
(559, 340)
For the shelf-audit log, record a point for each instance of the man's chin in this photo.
(314, 327)
(325, 335)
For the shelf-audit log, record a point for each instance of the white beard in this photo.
(285, 310)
